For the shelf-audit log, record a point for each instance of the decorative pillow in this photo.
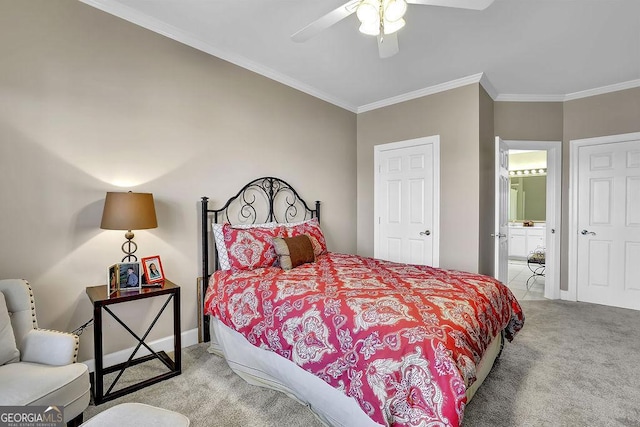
(218, 238)
(251, 248)
(312, 229)
(8, 351)
(294, 251)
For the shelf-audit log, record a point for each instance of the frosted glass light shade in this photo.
(368, 12)
(392, 27)
(370, 28)
(394, 10)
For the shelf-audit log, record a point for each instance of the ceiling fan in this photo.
(380, 18)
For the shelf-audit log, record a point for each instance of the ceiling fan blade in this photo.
(461, 4)
(326, 21)
(388, 45)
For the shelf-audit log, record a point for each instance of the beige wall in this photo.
(90, 103)
(454, 116)
(486, 242)
(528, 121)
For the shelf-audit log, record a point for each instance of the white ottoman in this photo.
(139, 415)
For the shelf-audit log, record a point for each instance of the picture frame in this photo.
(113, 279)
(153, 272)
(129, 276)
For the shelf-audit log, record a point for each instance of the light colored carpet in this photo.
(210, 394)
(573, 364)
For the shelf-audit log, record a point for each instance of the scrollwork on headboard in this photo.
(266, 199)
(280, 203)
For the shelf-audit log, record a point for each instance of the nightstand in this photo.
(101, 301)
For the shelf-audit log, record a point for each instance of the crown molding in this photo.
(117, 9)
(453, 84)
(507, 97)
(488, 87)
(602, 90)
(135, 17)
(570, 96)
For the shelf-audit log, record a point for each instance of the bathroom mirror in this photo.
(528, 198)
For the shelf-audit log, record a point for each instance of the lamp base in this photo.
(129, 247)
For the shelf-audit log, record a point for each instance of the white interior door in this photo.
(407, 187)
(608, 224)
(501, 257)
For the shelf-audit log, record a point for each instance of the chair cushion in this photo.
(137, 414)
(33, 384)
(8, 350)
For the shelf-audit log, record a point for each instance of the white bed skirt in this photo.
(268, 369)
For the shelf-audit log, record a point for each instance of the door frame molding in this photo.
(574, 146)
(499, 142)
(554, 207)
(377, 150)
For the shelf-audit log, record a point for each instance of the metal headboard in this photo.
(265, 199)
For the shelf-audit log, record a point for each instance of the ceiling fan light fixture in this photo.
(370, 28)
(394, 10)
(392, 27)
(368, 12)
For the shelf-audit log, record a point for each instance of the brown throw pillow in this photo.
(293, 251)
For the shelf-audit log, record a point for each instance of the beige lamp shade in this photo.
(129, 211)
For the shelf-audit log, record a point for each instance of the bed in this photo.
(362, 342)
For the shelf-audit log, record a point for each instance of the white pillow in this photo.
(218, 238)
(293, 224)
(8, 351)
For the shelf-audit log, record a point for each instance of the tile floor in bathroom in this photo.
(518, 275)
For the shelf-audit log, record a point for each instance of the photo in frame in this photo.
(153, 272)
(113, 279)
(129, 276)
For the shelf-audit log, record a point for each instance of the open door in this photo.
(501, 257)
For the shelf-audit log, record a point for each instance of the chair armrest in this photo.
(49, 347)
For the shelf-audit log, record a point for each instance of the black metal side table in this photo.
(101, 301)
(536, 263)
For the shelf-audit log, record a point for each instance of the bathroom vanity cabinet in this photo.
(524, 240)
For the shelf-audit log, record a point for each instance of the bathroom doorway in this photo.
(534, 219)
(527, 222)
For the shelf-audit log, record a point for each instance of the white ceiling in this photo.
(529, 50)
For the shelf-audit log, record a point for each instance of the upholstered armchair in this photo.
(37, 366)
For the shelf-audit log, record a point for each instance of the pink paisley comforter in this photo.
(402, 340)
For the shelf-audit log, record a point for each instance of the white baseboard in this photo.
(187, 339)
(567, 296)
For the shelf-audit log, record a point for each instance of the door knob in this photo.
(585, 232)
(425, 233)
(499, 235)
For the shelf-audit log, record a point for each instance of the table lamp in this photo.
(129, 211)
